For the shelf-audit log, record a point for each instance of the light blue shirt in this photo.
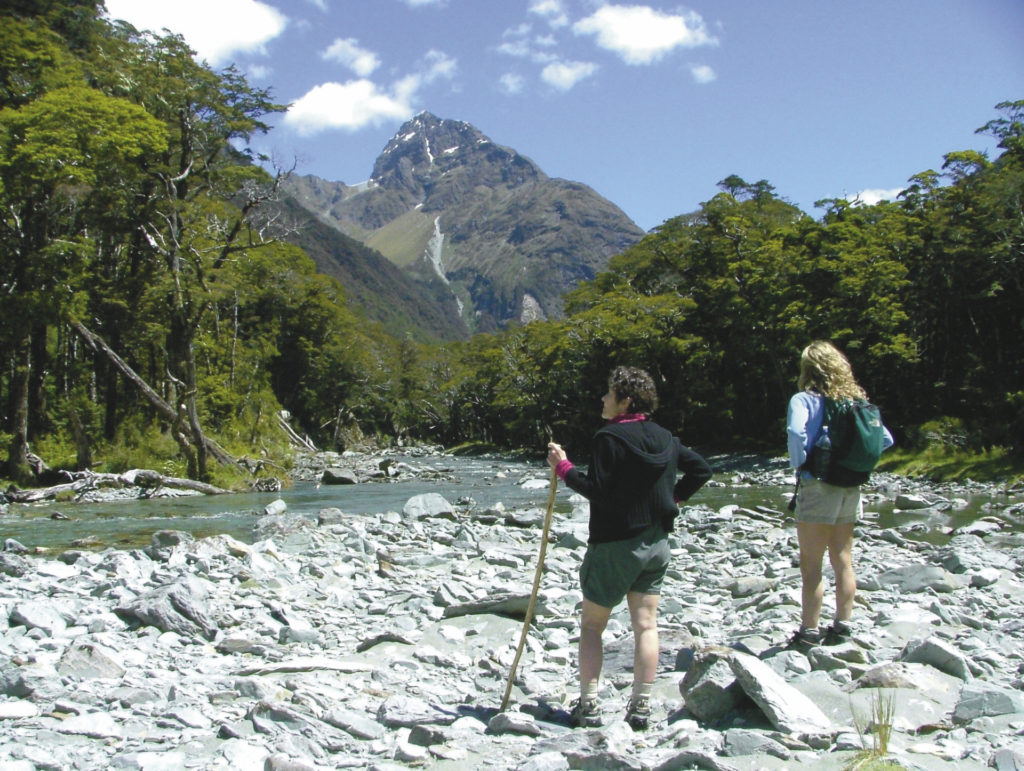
(803, 424)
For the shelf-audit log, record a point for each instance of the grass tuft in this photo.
(879, 726)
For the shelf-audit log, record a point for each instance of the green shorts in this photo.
(636, 564)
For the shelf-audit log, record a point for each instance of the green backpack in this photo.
(850, 443)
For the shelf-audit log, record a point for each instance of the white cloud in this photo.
(875, 195)
(347, 52)
(259, 71)
(511, 83)
(523, 30)
(436, 64)
(552, 10)
(518, 44)
(216, 30)
(702, 73)
(518, 48)
(439, 65)
(565, 75)
(362, 102)
(641, 35)
(349, 106)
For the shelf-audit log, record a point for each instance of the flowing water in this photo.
(485, 481)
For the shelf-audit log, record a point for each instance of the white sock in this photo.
(641, 691)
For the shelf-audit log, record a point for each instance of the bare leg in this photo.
(592, 624)
(643, 612)
(813, 538)
(840, 554)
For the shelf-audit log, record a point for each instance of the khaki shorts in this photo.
(821, 503)
(637, 564)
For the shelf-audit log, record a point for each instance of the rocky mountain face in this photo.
(377, 287)
(451, 207)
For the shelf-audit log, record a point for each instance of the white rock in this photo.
(15, 710)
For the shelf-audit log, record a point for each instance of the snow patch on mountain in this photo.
(362, 187)
(432, 253)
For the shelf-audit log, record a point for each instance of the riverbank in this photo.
(936, 463)
(386, 641)
(995, 465)
(124, 516)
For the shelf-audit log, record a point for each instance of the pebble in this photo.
(387, 642)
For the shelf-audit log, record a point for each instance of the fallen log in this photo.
(169, 413)
(298, 441)
(84, 481)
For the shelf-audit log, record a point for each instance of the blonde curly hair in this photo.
(824, 369)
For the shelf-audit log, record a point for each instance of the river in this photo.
(486, 481)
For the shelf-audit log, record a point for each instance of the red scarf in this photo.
(628, 417)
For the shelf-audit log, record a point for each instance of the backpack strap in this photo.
(813, 460)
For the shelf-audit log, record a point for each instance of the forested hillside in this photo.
(153, 311)
(374, 286)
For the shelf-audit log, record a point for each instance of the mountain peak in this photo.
(497, 234)
(424, 118)
(427, 148)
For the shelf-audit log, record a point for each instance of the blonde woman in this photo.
(825, 513)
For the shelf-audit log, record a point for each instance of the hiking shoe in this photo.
(837, 634)
(584, 714)
(804, 639)
(638, 713)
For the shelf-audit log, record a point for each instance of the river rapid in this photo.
(473, 484)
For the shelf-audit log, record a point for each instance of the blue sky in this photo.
(650, 104)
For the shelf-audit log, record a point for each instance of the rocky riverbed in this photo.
(386, 642)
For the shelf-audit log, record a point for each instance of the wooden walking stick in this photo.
(536, 585)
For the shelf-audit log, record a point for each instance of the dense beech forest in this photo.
(155, 312)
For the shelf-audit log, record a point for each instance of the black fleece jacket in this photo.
(631, 481)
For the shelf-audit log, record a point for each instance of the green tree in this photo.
(59, 154)
(965, 276)
(185, 232)
(33, 60)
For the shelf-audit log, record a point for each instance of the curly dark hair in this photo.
(636, 385)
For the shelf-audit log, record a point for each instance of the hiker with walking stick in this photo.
(632, 487)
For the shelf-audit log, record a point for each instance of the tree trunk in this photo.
(39, 363)
(192, 413)
(106, 377)
(17, 452)
(84, 481)
(83, 455)
(181, 371)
